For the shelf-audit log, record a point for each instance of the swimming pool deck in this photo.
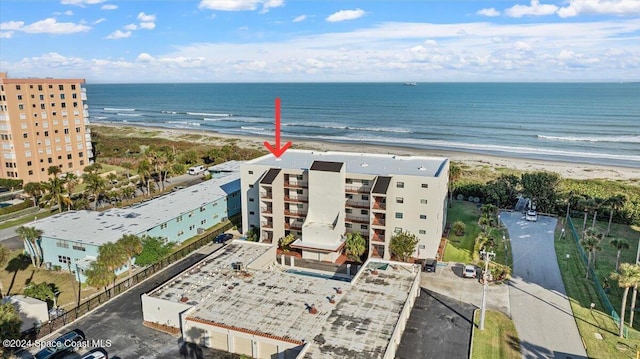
(350, 318)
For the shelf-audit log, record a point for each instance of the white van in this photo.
(196, 170)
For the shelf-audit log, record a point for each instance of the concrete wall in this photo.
(237, 342)
(264, 260)
(326, 206)
(250, 190)
(157, 310)
(396, 336)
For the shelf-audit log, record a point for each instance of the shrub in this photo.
(458, 228)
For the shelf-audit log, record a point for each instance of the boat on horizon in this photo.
(410, 84)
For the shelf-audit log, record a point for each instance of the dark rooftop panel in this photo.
(270, 176)
(327, 166)
(382, 184)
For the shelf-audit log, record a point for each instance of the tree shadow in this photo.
(16, 264)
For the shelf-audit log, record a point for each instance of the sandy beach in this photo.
(565, 169)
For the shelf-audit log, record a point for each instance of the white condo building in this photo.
(320, 196)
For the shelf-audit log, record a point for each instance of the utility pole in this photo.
(487, 258)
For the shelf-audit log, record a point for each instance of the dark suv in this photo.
(430, 265)
(62, 345)
(221, 238)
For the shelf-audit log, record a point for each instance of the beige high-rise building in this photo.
(43, 123)
(320, 196)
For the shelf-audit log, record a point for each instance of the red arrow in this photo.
(277, 150)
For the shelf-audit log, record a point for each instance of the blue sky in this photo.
(321, 40)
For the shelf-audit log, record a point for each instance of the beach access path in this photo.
(539, 305)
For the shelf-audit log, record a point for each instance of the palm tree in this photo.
(615, 203)
(112, 256)
(588, 204)
(53, 171)
(30, 237)
(144, 171)
(454, 174)
(127, 192)
(71, 180)
(34, 189)
(598, 203)
(355, 246)
(5, 253)
(619, 244)
(132, 246)
(627, 278)
(55, 193)
(591, 243)
(99, 276)
(95, 185)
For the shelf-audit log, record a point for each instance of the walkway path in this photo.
(539, 305)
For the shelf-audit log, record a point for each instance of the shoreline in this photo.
(474, 160)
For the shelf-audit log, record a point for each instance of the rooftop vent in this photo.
(422, 168)
(364, 164)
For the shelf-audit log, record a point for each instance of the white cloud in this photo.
(300, 18)
(144, 57)
(11, 25)
(118, 34)
(147, 25)
(343, 15)
(431, 42)
(100, 20)
(109, 7)
(600, 7)
(146, 18)
(536, 9)
(68, 13)
(81, 2)
(6, 34)
(240, 5)
(488, 12)
(48, 26)
(130, 27)
(522, 46)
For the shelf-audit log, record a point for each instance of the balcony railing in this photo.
(299, 199)
(377, 238)
(294, 225)
(379, 205)
(357, 204)
(357, 189)
(294, 184)
(357, 219)
(378, 222)
(266, 225)
(295, 214)
(266, 195)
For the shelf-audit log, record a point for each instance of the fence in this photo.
(72, 314)
(604, 299)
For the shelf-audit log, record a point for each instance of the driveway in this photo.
(438, 327)
(539, 305)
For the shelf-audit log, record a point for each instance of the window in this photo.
(18, 87)
(62, 243)
(61, 87)
(349, 181)
(29, 163)
(422, 231)
(20, 107)
(399, 215)
(25, 135)
(299, 177)
(299, 191)
(73, 87)
(192, 227)
(423, 201)
(30, 172)
(365, 197)
(53, 104)
(80, 154)
(364, 226)
(348, 225)
(252, 213)
(81, 162)
(46, 133)
(79, 247)
(203, 221)
(62, 96)
(400, 185)
(64, 259)
(63, 105)
(365, 182)
(202, 209)
(49, 159)
(348, 210)
(69, 156)
(163, 226)
(191, 214)
(425, 185)
(250, 172)
(250, 186)
(179, 219)
(399, 200)
(251, 200)
(423, 216)
(180, 233)
(364, 211)
(50, 86)
(42, 106)
(39, 87)
(397, 230)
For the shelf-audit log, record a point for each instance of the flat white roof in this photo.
(363, 163)
(274, 302)
(97, 228)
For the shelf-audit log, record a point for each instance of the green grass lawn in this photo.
(459, 248)
(582, 293)
(16, 275)
(498, 340)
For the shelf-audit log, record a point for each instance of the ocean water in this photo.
(596, 123)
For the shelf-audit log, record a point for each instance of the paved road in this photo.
(438, 327)
(120, 321)
(539, 305)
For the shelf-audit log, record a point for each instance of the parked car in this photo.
(430, 265)
(221, 238)
(97, 353)
(469, 271)
(196, 170)
(62, 345)
(531, 216)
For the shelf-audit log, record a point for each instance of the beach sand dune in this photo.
(473, 160)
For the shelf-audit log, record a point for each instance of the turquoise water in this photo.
(584, 122)
(3, 204)
(318, 275)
